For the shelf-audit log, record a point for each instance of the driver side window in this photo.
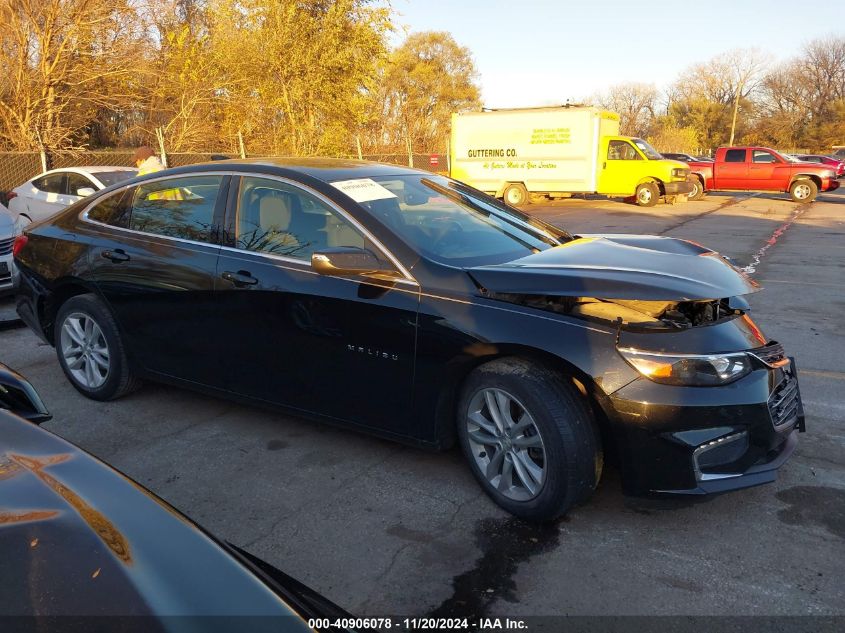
(621, 150)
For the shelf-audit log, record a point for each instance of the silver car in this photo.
(8, 272)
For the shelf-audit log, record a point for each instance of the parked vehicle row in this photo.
(417, 308)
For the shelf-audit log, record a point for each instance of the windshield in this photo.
(454, 224)
(109, 178)
(648, 150)
(789, 158)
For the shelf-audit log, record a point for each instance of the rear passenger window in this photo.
(176, 207)
(113, 210)
(53, 183)
(274, 217)
(735, 156)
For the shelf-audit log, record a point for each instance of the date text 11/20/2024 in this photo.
(414, 624)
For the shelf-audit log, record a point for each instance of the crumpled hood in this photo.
(643, 267)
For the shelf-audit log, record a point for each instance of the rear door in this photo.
(342, 347)
(44, 196)
(732, 172)
(153, 258)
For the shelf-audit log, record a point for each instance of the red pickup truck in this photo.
(761, 169)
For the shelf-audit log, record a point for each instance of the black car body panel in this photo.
(85, 540)
(389, 357)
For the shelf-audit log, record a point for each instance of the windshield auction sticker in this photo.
(363, 189)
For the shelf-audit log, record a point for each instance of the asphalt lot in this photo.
(384, 529)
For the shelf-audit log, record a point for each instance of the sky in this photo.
(542, 52)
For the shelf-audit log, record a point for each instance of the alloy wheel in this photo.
(85, 350)
(802, 192)
(644, 195)
(506, 444)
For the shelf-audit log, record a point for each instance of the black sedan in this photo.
(411, 306)
(83, 547)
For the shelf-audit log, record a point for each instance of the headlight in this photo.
(680, 172)
(830, 174)
(692, 370)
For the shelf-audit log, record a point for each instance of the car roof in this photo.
(325, 169)
(94, 170)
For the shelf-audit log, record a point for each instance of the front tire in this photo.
(529, 438)
(647, 194)
(90, 351)
(804, 190)
(698, 190)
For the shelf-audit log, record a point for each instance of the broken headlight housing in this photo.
(692, 370)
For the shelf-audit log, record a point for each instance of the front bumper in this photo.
(702, 440)
(8, 274)
(677, 187)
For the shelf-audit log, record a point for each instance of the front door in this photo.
(620, 171)
(154, 263)
(342, 347)
(761, 171)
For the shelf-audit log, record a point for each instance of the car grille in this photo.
(772, 354)
(6, 246)
(783, 403)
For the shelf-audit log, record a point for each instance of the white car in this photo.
(56, 189)
(8, 231)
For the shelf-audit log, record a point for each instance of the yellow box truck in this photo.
(556, 152)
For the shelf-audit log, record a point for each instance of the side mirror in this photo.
(85, 191)
(349, 260)
(19, 396)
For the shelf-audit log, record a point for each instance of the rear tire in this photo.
(516, 195)
(698, 192)
(548, 456)
(90, 351)
(647, 194)
(804, 190)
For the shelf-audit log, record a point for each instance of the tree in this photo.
(422, 83)
(298, 70)
(64, 62)
(636, 104)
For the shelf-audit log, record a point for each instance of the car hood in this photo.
(641, 267)
(82, 539)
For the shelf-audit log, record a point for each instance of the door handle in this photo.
(604, 165)
(117, 255)
(239, 279)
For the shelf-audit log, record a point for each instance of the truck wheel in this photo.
(516, 195)
(647, 194)
(529, 438)
(697, 192)
(804, 190)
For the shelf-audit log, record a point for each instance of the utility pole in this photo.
(736, 108)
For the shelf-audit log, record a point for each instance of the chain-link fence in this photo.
(18, 167)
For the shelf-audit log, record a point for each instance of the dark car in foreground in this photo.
(413, 307)
(79, 539)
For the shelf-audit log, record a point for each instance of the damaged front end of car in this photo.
(714, 404)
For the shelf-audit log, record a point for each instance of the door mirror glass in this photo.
(85, 191)
(349, 260)
(19, 396)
